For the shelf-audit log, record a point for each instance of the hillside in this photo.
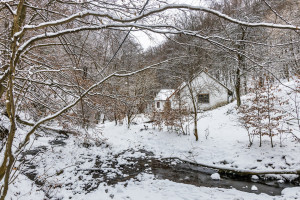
(114, 162)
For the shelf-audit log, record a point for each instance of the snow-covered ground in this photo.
(146, 187)
(63, 165)
(226, 144)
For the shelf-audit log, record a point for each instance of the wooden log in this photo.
(241, 172)
(60, 131)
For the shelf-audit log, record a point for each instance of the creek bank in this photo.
(123, 167)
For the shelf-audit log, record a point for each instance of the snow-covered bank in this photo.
(64, 166)
(145, 187)
(70, 156)
(226, 144)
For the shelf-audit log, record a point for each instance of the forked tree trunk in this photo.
(8, 160)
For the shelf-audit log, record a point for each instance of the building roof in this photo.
(202, 71)
(164, 94)
(184, 84)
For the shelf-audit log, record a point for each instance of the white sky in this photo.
(155, 39)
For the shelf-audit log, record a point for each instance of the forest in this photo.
(78, 93)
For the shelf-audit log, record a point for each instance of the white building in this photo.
(207, 92)
(161, 98)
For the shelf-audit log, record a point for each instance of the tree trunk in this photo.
(195, 111)
(8, 160)
(238, 87)
(241, 66)
(116, 119)
(195, 128)
(84, 121)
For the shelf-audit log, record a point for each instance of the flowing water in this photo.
(171, 169)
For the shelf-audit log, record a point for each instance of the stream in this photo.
(172, 169)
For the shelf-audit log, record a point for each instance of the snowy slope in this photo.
(226, 144)
(64, 164)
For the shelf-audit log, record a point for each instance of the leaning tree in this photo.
(42, 65)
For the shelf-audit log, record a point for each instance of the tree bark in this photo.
(195, 111)
(8, 159)
(238, 87)
(241, 66)
(60, 131)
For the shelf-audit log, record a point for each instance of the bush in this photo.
(260, 113)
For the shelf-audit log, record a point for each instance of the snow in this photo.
(148, 187)
(164, 94)
(148, 13)
(291, 193)
(254, 188)
(24, 189)
(226, 146)
(215, 176)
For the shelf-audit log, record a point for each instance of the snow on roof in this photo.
(164, 94)
(184, 84)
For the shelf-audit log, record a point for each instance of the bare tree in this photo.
(40, 55)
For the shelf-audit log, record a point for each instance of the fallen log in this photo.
(242, 172)
(60, 131)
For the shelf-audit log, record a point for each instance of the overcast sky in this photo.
(156, 39)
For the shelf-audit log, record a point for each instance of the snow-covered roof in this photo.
(164, 94)
(184, 84)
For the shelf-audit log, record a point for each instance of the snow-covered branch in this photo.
(151, 12)
(86, 92)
